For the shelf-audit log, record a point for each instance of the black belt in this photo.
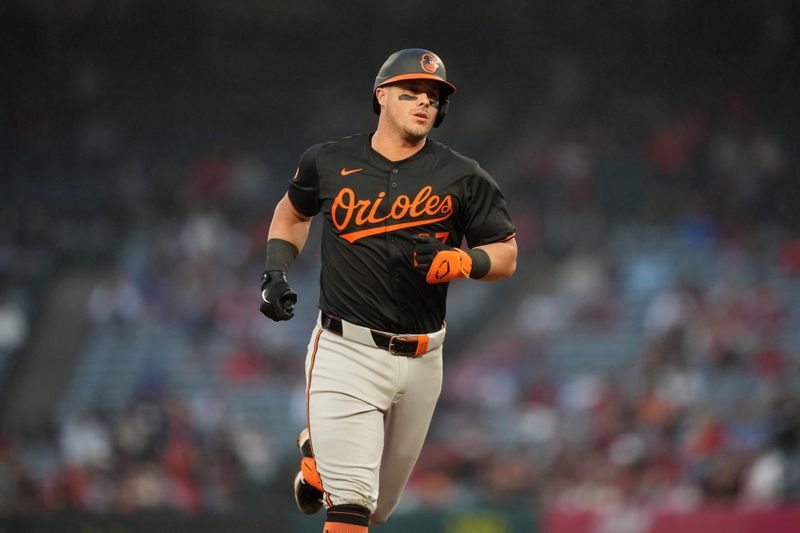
(394, 344)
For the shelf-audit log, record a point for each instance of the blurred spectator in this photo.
(86, 441)
(251, 443)
(774, 477)
(13, 323)
(115, 300)
(243, 365)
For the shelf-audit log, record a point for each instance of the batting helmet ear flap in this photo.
(444, 103)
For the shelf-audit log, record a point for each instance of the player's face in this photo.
(411, 106)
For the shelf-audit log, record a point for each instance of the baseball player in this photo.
(396, 206)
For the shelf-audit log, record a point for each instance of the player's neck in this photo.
(394, 146)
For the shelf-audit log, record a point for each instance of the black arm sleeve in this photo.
(280, 254)
(304, 186)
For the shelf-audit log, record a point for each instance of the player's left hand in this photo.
(440, 262)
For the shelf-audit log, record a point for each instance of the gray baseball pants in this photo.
(368, 413)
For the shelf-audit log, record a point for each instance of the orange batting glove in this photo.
(439, 262)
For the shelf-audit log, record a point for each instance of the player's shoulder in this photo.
(347, 144)
(324, 157)
(451, 157)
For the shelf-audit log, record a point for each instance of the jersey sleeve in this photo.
(485, 216)
(304, 187)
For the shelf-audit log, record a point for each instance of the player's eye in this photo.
(412, 95)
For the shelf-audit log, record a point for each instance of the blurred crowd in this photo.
(25, 262)
(157, 454)
(700, 402)
(705, 409)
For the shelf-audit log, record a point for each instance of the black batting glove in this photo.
(277, 299)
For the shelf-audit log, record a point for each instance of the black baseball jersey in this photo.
(373, 207)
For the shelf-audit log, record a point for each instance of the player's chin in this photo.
(418, 131)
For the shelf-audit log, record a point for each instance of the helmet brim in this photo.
(446, 85)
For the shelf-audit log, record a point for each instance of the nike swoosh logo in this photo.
(345, 172)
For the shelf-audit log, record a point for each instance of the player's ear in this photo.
(381, 94)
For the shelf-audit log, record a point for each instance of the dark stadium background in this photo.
(638, 374)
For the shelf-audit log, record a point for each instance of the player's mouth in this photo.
(421, 115)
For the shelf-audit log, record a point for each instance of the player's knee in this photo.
(351, 514)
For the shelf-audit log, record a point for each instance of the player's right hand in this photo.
(277, 299)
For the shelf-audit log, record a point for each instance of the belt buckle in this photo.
(417, 339)
(391, 347)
